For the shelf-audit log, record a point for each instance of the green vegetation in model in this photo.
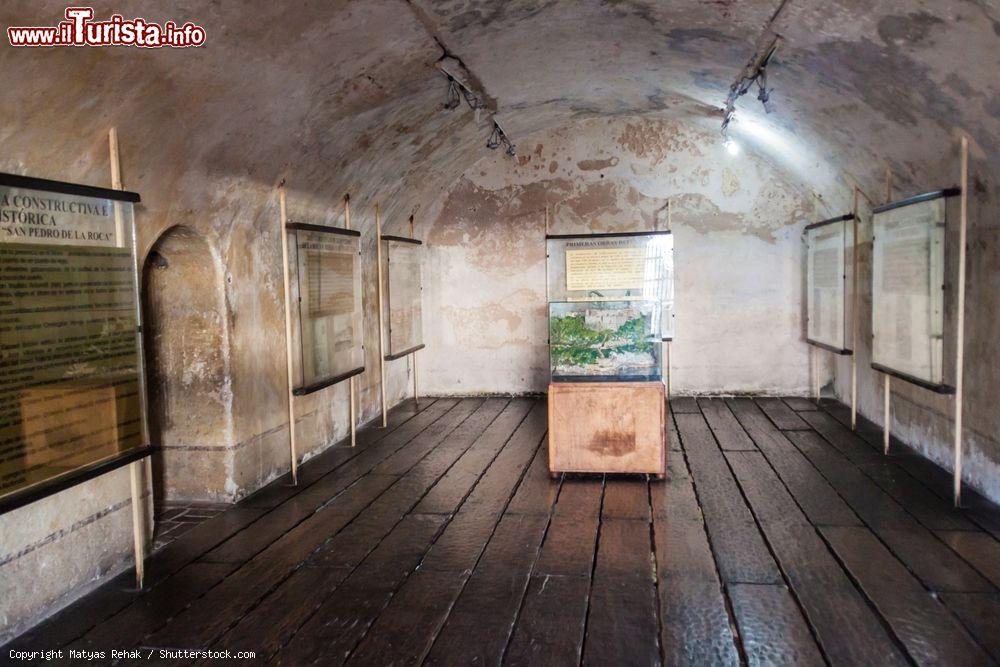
(575, 344)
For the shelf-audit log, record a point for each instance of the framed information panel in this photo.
(72, 391)
(404, 290)
(326, 286)
(627, 266)
(908, 257)
(829, 262)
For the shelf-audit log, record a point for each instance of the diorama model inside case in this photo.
(604, 341)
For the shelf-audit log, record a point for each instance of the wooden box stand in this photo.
(607, 427)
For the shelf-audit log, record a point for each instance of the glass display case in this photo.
(605, 341)
(616, 266)
(611, 300)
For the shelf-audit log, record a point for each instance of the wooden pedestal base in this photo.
(614, 427)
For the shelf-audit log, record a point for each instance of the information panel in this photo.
(405, 306)
(631, 266)
(70, 371)
(327, 288)
(828, 262)
(908, 289)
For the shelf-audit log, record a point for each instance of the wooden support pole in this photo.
(816, 364)
(667, 344)
(290, 380)
(854, 315)
(381, 316)
(960, 314)
(353, 386)
(814, 358)
(886, 379)
(135, 469)
(416, 400)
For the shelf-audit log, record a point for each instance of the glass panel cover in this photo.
(328, 278)
(908, 289)
(404, 296)
(69, 346)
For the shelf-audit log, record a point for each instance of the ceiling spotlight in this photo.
(732, 147)
(457, 91)
(454, 95)
(754, 72)
(499, 138)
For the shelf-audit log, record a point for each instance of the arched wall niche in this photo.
(187, 365)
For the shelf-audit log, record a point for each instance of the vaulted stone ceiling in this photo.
(350, 87)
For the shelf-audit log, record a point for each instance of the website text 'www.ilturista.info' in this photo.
(79, 29)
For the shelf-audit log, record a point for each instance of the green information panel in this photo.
(71, 398)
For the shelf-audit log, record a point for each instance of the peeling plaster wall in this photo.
(737, 224)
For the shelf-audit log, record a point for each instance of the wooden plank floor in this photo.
(779, 537)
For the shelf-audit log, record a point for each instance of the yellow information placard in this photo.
(605, 268)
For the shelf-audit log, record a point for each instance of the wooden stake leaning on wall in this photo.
(814, 355)
(354, 413)
(136, 467)
(283, 220)
(670, 228)
(416, 400)
(854, 314)
(381, 322)
(960, 314)
(886, 380)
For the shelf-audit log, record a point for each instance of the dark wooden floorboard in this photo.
(199, 625)
(551, 624)
(332, 632)
(622, 625)
(116, 596)
(684, 404)
(814, 495)
(488, 605)
(800, 403)
(695, 626)
(848, 631)
(980, 550)
(930, 636)
(781, 415)
(779, 537)
(736, 540)
(980, 614)
(457, 551)
(772, 629)
(934, 512)
(940, 568)
(727, 430)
